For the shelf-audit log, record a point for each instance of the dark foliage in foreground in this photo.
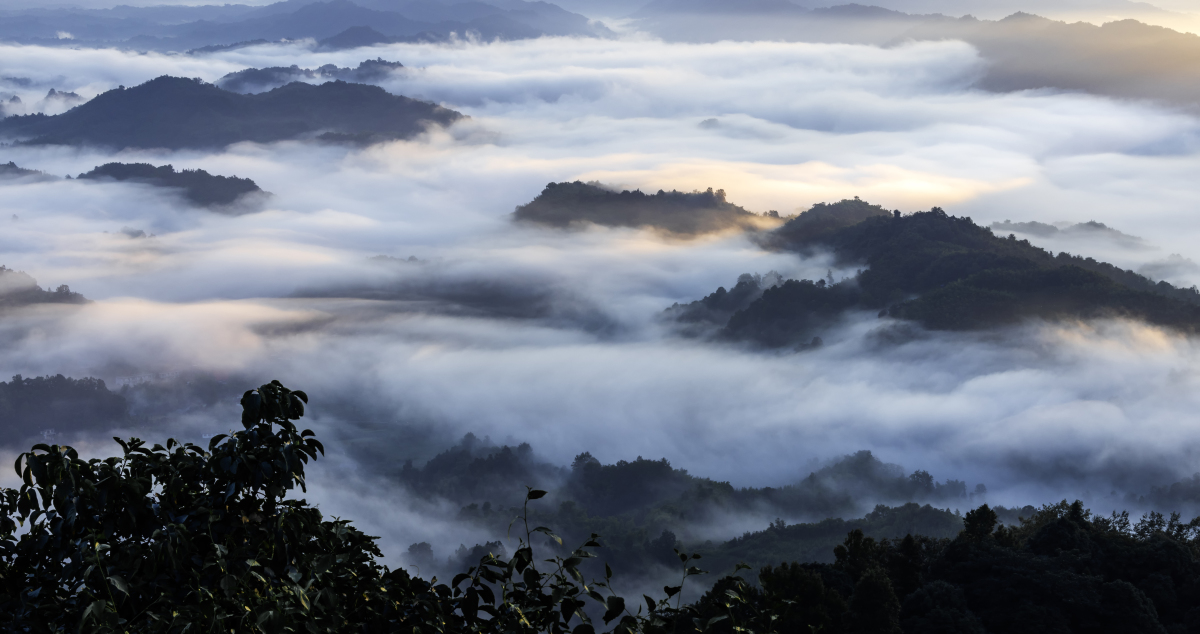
(174, 113)
(166, 536)
(198, 186)
(1060, 570)
(179, 537)
(567, 204)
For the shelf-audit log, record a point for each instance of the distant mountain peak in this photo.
(176, 112)
(355, 37)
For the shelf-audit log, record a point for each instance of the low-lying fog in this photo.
(553, 337)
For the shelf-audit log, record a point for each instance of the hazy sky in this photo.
(991, 9)
(1038, 413)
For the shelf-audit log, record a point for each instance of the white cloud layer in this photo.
(1037, 413)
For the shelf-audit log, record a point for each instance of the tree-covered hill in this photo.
(197, 186)
(714, 310)
(1060, 570)
(11, 170)
(174, 113)
(814, 542)
(946, 273)
(577, 203)
(644, 508)
(253, 80)
(55, 404)
(18, 288)
(822, 218)
(476, 471)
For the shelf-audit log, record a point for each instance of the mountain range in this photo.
(182, 28)
(929, 268)
(1123, 58)
(173, 112)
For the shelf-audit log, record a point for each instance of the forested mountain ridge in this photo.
(698, 318)
(476, 471)
(53, 404)
(683, 213)
(1126, 59)
(941, 271)
(174, 113)
(644, 507)
(253, 80)
(946, 273)
(11, 170)
(1059, 570)
(197, 186)
(1121, 58)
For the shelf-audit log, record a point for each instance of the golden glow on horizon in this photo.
(790, 188)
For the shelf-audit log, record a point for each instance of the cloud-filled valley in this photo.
(557, 336)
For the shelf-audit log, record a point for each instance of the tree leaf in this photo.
(119, 583)
(94, 611)
(616, 605)
(549, 533)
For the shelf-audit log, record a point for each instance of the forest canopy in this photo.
(54, 404)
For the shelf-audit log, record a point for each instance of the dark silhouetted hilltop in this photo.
(254, 80)
(198, 186)
(18, 288)
(944, 272)
(217, 48)
(700, 316)
(11, 170)
(174, 113)
(572, 204)
(823, 218)
(54, 404)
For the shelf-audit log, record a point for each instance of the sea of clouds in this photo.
(556, 338)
